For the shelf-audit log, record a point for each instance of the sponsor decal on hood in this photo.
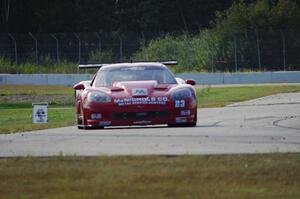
(139, 92)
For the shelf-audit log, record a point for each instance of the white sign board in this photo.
(40, 113)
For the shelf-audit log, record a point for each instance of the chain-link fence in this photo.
(259, 50)
(74, 47)
(250, 50)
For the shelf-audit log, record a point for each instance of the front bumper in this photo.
(110, 114)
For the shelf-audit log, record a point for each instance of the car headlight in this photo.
(180, 94)
(98, 97)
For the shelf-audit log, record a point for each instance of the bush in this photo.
(64, 67)
(101, 57)
(233, 37)
(193, 52)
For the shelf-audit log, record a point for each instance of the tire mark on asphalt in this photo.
(241, 139)
(260, 118)
(276, 123)
(271, 104)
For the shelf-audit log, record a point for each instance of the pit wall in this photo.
(201, 78)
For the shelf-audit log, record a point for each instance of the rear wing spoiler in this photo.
(87, 66)
(169, 63)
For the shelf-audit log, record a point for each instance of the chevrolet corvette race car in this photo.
(126, 94)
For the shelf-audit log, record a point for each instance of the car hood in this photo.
(136, 89)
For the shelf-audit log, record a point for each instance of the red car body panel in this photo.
(144, 102)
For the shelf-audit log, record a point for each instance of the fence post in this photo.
(99, 45)
(36, 47)
(283, 50)
(15, 46)
(258, 49)
(235, 54)
(121, 48)
(79, 47)
(57, 48)
(144, 51)
(212, 63)
(211, 46)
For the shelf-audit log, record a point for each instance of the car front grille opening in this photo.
(140, 115)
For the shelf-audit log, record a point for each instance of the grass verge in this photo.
(34, 90)
(20, 119)
(16, 107)
(218, 97)
(16, 115)
(227, 176)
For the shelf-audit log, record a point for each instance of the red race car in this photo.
(126, 94)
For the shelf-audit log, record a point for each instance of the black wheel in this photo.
(80, 127)
(192, 124)
(172, 125)
(81, 120)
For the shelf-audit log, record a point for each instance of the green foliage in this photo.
(101, 57)
(168, 48)
(245, 24)
(232, 36)
(48, 66)
(193, 52)
(238, 28)
(6, 66)
(235, 18)
(285, 15)
(262, 14)
(109, 15)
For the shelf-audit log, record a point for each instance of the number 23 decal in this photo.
(179, 103)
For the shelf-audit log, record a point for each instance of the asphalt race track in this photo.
(265, 125)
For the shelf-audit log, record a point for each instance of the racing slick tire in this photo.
(80, 119)
(192, 124)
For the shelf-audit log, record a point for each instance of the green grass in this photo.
(230, 176)
(34, 90)
(16, 110)
(22, 96)
(227, 176)
(16, 116)
(219, 97)
(20, 119)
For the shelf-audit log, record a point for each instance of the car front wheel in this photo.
(192, 124)
(80, 119)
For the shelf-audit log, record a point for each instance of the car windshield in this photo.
(107, 76)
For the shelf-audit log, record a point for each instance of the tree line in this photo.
(22, 16)
(260, 35)
(203, 35)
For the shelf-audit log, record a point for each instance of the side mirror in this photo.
(79, 87)
(191, 82)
